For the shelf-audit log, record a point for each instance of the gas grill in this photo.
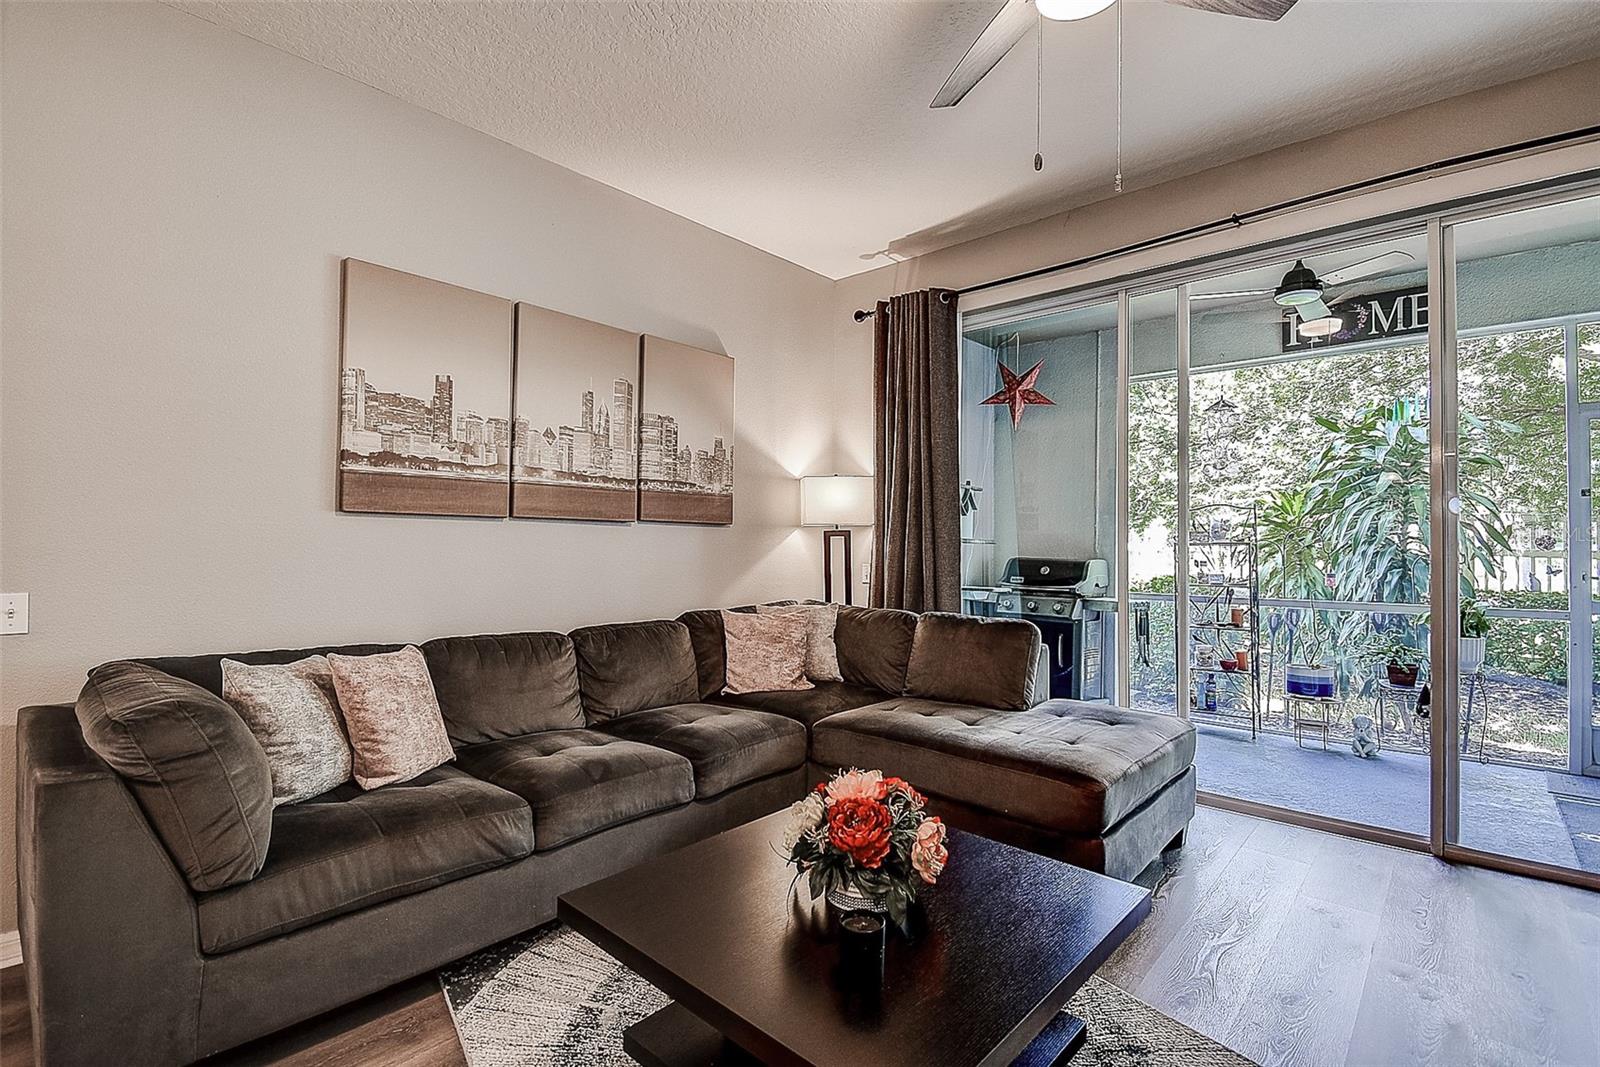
(1055, 595)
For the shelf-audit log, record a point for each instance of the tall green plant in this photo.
(1369, 491)
(1291, 567)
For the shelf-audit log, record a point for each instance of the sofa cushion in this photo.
(206, 671)
(348, 849)
(806, 705)
(966, 660)
(726, 746)
(505, 685)
(192, 764)
(875, 646)
(1066, 764)
(580, 781)
(631, 666)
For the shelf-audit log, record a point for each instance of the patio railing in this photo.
(1519, 717)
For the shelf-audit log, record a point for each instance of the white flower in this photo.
(805, 815)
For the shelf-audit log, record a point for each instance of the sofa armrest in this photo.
(1041, 676)
(109, 934)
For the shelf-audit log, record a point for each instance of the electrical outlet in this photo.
(13, 613)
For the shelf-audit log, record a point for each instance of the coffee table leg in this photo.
(1056, 1044)
(677, 1037)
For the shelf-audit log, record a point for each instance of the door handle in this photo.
(1061, 655)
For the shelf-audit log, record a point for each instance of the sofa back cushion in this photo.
(875, 646)
(192, 764)
(505, 685)
(206, 671)
(989, 663)
(709, 641)
(631, 666)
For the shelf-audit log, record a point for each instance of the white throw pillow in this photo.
(822, 653)
(293, 712)
(764, 653)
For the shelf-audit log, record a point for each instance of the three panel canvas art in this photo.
(453, 402)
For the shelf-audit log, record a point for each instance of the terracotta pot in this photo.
(1403, 676)
(1241, 659)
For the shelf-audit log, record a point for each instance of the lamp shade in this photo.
(836, 500)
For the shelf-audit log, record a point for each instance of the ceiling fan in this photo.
(1016, 17)
(1305, 294)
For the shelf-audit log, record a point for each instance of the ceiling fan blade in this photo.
(1229, 296)
(1270, 10)
(1007, 27)
(1316, 309)
(1391, 260)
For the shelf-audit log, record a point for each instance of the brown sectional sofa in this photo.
(162, 922)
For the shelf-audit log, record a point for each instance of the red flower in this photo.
(903, 786)
(860, 829)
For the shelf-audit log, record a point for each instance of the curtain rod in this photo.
(1240, 218)
(862, 315)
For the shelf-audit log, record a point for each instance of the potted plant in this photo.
(1474, 636)
(1309, 675)
(1400, 658)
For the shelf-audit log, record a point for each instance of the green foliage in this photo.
(1395, 645)
(1369, 489)
(1474, 620)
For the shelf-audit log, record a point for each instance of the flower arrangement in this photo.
(863, 841)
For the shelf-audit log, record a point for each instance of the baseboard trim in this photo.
(10, 949)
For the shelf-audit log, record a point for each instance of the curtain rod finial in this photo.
(863, 315)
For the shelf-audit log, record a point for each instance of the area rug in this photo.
(553, 999)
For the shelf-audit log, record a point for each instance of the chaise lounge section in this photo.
(169, 912)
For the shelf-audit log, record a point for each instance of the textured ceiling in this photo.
(803, 128)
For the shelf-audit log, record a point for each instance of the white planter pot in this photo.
(1309, 680)
(1471, 654)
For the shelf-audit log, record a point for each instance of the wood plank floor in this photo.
(1291, 946)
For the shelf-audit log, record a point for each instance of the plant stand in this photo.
(1402, 697)
(1224, 577)
(1313, 713)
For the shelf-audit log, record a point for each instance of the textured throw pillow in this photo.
(292, 709)
(392, 715)
(822, 655)
(765, 652)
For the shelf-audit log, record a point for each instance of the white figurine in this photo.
(1365, 741)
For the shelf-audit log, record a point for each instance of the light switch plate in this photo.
(13, 613)
(866, 574)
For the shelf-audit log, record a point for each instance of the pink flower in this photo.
(928, 852)
(856, 785)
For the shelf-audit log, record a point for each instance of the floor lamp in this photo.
(836, 501)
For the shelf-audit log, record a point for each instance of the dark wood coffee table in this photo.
(1006, 938)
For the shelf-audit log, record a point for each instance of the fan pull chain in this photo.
(1118, 182)
(1038, 111)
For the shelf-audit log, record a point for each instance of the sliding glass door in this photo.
(1525, 295)
(1272, 456)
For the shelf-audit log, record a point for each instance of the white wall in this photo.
(176, 203)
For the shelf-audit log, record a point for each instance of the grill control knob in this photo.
(1058, 608)
(1007, 603)
(1033, 605)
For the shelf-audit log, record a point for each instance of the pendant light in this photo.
(1071, 10)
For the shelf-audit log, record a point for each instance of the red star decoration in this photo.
(1018, 392)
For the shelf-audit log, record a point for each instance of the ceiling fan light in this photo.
(1299, 286)
(1324, 327)
(1071, 10)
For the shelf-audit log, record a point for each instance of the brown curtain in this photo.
(916, 557)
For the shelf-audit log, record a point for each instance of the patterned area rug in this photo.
(553, 999)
